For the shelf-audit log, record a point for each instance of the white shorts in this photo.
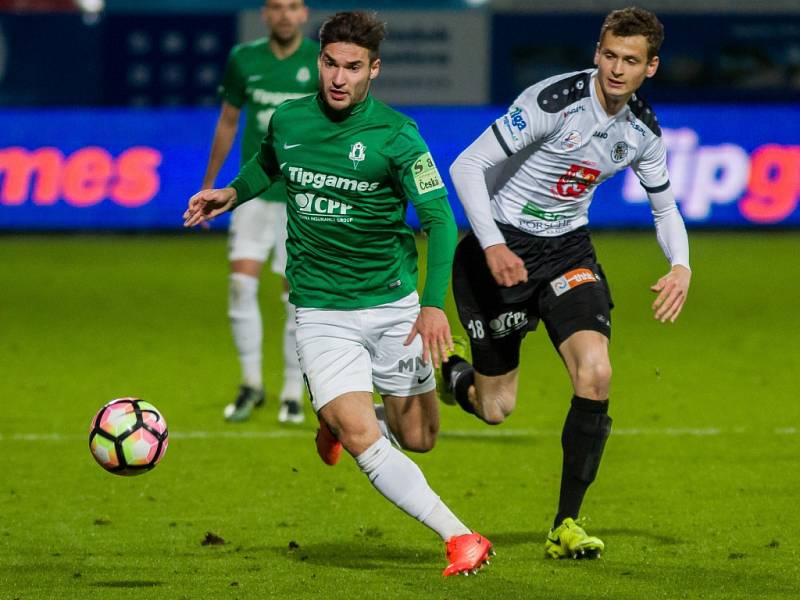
(258, 227)
(344, 351)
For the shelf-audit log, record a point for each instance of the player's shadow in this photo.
(362, 556)
(127, 584)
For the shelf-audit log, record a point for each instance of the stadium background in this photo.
(105, 122)
(85, 107)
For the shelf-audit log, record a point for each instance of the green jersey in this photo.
(349, 178)
(256, 80)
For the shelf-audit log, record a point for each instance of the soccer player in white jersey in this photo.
(529, 256)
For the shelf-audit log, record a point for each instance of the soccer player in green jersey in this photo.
(259, 76)
(351, 164)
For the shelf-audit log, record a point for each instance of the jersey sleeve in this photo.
(523, 123)
(651, 166)
(232, 88)
(414, 170)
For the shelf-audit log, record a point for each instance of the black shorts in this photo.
(566, 289)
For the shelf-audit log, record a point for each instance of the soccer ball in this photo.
(128, 436)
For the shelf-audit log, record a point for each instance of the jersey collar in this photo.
(599, 112)
(342, 115)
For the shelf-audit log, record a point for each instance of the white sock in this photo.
(401, 481)
(245, 316)
(292, 375)
(383, 425)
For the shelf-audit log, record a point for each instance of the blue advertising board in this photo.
(731, 166)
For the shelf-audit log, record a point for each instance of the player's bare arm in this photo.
(672, 289)
(205, 205)
(434, 328)
(507, 268)
(224, 134)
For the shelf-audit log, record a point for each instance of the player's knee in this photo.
(242, 295)
(420, 439)
(594, 376)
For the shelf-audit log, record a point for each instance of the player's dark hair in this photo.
(357, 27)
(630, 21)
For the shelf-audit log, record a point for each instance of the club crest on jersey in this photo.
(572, 279)
(619, 152)
(303, 75)
(572, 140)
(358, 152)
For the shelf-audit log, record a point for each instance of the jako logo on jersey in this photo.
(320, 180)
(572, 279)
(619, 152)
(572, 140)
(507, 322)
(319, 205)
(600, 134)
(358, 152)
(575, 181)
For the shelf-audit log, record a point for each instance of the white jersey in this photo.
(562, 144)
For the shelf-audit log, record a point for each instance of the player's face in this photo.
(285, 18)
(622, 65)
(345, 73)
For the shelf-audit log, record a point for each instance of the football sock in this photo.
(401, 482)
(245, 317)
(292, 376)
(383, 425)
(583, 440)
(462, 377)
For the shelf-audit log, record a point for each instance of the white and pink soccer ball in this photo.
(128, 436)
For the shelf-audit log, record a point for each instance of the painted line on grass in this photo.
(455, 433)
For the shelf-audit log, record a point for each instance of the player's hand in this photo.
(207, 204)
(671, 289)
(507, 268)
(432, 325)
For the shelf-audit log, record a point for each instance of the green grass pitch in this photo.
(696, 498)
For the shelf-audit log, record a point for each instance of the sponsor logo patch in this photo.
(576, 181)
(517, 120)
(507, 323)
(572, 140)
(426, 175)
(572, 279)
(619, 152)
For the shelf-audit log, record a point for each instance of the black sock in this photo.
(462, 377)
(583, 440)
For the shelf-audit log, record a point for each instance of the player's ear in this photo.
(652, 67)
(374, 68)
(597, 54)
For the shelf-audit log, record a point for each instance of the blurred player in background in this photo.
(530, 257)
(259, 76)
(351, 164)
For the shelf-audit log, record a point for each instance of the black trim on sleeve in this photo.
(658, 188)
(500, 139)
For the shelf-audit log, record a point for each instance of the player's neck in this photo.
(611, 105)
(281, 49)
